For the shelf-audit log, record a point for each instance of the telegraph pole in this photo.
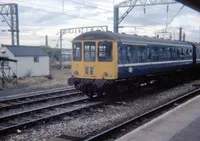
(180, 34)
(60, 49)
(63, 5)
(46, 40)
(184, 36)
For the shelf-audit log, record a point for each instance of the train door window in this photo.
(77, 51)
(90, 51)
(105, 51)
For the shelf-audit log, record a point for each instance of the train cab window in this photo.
(77, 51)
(90, 51)
(105, 51)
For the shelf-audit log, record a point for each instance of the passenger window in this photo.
(171, 52)
(129, 56)
(155, 54)
(182, 51)
(90, 51)
(120, 56)
(105, 51)
(77, 51)
(141, 54)
(135, 54)
(178, 53)
(187, 51)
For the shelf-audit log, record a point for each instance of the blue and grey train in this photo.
(102, 60)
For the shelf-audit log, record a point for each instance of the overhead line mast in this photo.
(131, 4)
(9, 13)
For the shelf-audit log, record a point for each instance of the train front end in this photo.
(94, 64)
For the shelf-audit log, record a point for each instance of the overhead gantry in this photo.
(131, 4)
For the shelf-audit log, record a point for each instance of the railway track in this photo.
(114, 131)
(35, 97)
(12, 122)
(42, 106)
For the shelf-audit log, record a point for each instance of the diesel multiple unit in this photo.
(104, 60)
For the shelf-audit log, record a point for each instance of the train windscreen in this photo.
(90, 51)
(105, 51)
(77, 51)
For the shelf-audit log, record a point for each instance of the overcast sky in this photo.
(38, 18)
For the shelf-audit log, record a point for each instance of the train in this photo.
(105, 61)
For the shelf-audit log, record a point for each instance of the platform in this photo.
(179, 124)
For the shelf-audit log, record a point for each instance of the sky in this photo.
(38, 18)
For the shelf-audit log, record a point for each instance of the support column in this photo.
(116, 19)
(46, 41)
(12, 25)
(180, 34)
(17, 24)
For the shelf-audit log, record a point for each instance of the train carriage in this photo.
(102, 59)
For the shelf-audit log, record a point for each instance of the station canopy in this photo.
(194, 4)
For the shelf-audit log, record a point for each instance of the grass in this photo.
(59, 78)
(65, 65)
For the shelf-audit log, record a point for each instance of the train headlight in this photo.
(92, 71)
(75, 73)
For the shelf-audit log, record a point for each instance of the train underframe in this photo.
(99, 88)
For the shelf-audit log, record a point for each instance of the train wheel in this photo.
(100, 94)
(90, 95)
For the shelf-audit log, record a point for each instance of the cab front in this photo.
(94, 63)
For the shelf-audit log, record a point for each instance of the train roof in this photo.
(101, 35)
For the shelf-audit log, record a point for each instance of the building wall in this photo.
(4, 52)
(26, 66)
